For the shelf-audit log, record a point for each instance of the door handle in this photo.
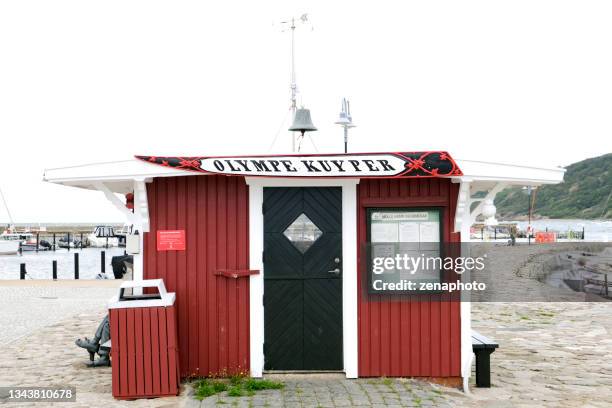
(335, 271)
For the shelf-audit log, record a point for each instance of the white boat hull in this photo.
(9, 247)
(96, 242)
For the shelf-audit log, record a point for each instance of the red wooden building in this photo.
(270, 257)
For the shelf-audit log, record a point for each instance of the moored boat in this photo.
(8, 247)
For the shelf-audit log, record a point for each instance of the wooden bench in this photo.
(483, 347)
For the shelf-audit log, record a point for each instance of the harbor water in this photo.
(39, 265)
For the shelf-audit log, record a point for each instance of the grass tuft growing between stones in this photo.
(236, 386)
(205, 388)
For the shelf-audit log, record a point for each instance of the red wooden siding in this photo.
(145, 358)
(212, 310)
(408, 336)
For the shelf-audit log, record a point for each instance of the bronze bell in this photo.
(302, 122)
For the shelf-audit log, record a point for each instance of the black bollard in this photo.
(54, 270)
(37, 240)
(22, 271)
(81, 240)
(76, 265)
(103, 261)
(68, 242)
(54, 241)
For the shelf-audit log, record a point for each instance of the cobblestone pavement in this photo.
(26, 306)
(550, 355)
(333, 390)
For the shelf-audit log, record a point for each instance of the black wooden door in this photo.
(303, 278)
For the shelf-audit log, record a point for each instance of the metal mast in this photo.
(6, 206)
(293, 84)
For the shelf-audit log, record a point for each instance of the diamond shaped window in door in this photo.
(302, 233)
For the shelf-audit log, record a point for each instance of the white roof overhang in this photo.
(488, 174)
(119, 176)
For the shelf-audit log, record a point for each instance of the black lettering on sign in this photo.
(310, 167)
(325, 165)
(218, 165)
(260, 165)
(386, 165)
(355, 164)
(370, 164)
(243, 163)
(275, 163)
(338, 164)
(231, 166)
(288, 165)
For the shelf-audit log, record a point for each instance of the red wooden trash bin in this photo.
(144, 352)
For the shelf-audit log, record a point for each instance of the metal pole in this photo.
(103, 261)
(345, 139)
(54, 242)
(293, 84)
(68, 239)
(37, 240)
(81, 240)
(76, 265)
(22, 271)
(529, 224)
(54, 270)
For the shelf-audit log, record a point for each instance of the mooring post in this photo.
(54, 241)
(76, 265)
(54, 269)
(37, 240)
(68, 241)
(103, 261)
(22, 271)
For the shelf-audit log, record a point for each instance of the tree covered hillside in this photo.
(585, 193)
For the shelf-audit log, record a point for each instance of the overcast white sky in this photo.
(83, 81)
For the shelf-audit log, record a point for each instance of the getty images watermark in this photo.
(487, 271)
(424, 273)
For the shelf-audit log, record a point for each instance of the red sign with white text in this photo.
(171, 240)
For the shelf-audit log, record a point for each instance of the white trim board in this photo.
(349, 263)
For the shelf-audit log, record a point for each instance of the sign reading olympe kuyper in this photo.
(322, 166)
(385, 165)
